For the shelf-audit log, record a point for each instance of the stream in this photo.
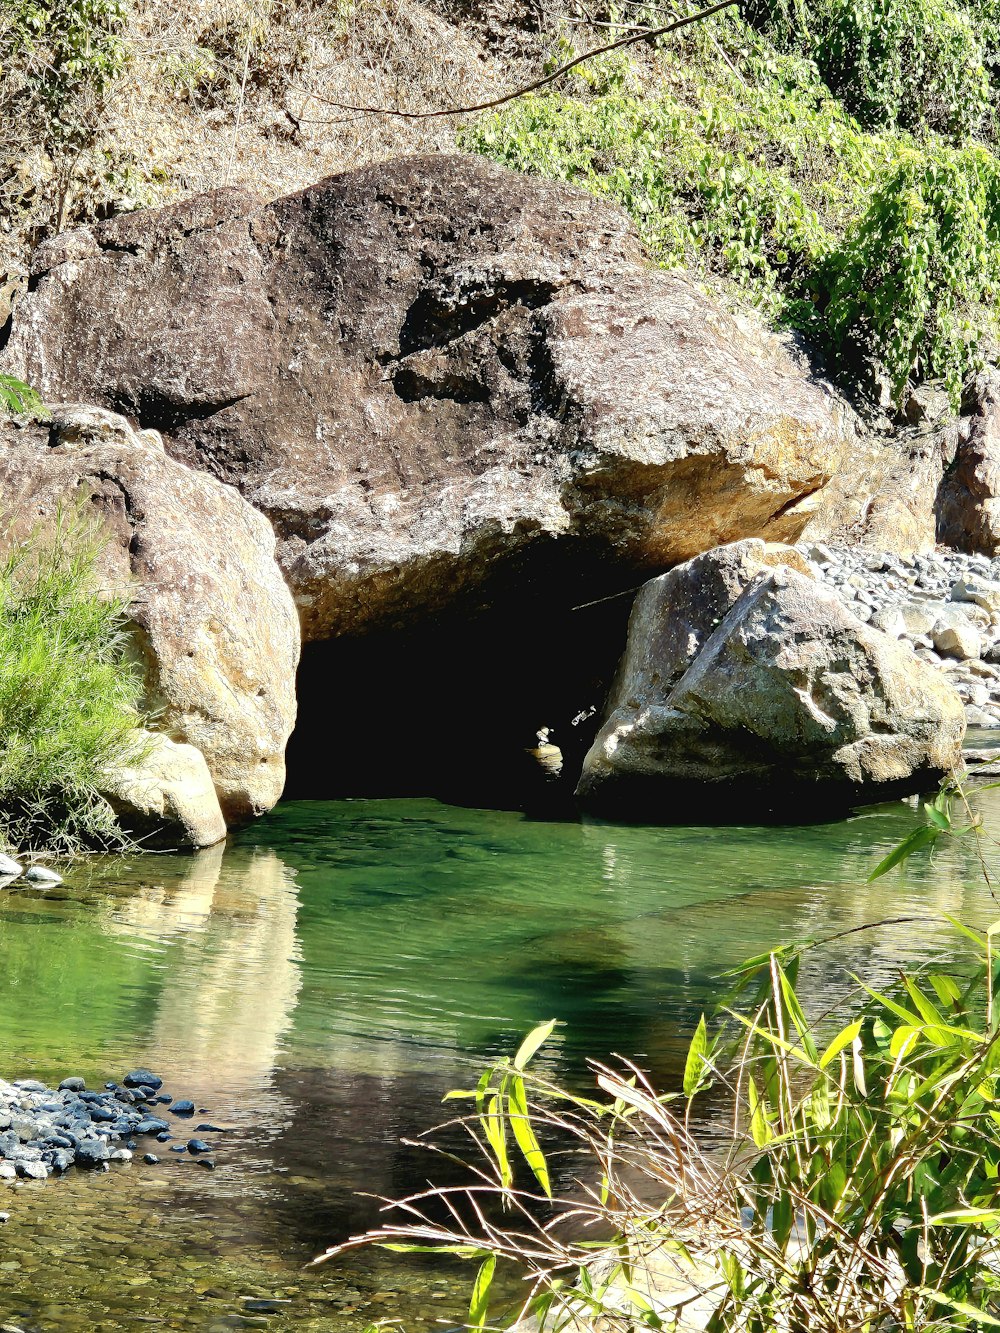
(320, 982)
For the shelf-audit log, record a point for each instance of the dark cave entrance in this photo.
(450, 706)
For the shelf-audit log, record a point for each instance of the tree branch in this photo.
(645, 35)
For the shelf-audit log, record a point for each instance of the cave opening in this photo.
(451, 706)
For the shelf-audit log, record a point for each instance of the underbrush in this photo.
(69, 701)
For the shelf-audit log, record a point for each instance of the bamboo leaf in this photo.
(843, 1039)
(520, 1123)
(695, 1059)
(480, 1303)
(921, 837)
(535, 1038)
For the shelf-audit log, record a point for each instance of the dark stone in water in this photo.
(178, 1147)
(183, 1108)
(90, 1153)
(165, 1100)
(151, 1159)
(198, 1145)
(142, 1078)
(212, 1129)
(207, 1163)
(151, 1125)
(164, 1136)
(102, 1114)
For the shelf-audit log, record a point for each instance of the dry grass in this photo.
(237, 92)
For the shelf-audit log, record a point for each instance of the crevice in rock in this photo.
(413, 385)
(438, 317)
(154, 412)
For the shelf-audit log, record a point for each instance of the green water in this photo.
(319, 984)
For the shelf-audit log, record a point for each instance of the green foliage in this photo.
(17, 397)
(875, 243)
(917, 64)
(68, 701)
(861, 1191)
(69, 51)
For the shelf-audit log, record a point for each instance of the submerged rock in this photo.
(745, 676)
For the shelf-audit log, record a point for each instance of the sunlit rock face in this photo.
(423, 369)
(744, 676)
(213, 622)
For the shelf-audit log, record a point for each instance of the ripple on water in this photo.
(321, 981)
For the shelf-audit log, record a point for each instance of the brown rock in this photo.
(969, 502)
(422, 368)
(167, 797)
(777, 695)
(214, 623)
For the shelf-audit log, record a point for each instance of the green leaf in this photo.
(843, 1038)
(496, 1135)
(532, 1042)
(798, 1017)
(695, 1059)
(760, 1130)
(921, 837)
(480, 1303)
(520, 1122)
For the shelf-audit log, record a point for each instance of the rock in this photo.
(198, 1146)
(167, 796)
(143, 1078)
(214, 626)
(9, 867)
(982, 592)
(42, 875)
(32, 1170)
(150, 1158)
(419, 371)
(969, 500)
(757, 682)
(92, 1153)
(959, 641)
(183, 1107)
(72, 1085)
(207, 1163)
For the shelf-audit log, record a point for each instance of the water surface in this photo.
(318, 984)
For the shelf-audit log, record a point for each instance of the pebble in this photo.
(944, 604)
(42, 875)
(45, 1131)
(183, 1108)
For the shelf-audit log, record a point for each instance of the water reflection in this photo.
(319, 983)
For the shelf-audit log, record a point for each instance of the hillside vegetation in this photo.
(832, 161)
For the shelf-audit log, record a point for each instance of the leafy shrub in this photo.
(859, 1190)
(870, 241)
(69, 702)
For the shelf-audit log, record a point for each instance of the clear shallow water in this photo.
(320, 983)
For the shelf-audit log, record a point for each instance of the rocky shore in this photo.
(45, 1131)
(944, 603)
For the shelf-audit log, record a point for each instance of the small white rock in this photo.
(42, 875)
(8, 866)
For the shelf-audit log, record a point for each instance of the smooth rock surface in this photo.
(167, 797)
(214, 626)
(419, 370)
(757, 680)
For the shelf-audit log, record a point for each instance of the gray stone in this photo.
(9, 867)
(959, 641)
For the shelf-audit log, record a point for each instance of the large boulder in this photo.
(214, 625)
(420, 369)
(744, 675)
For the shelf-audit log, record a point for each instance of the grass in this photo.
(69, 701)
